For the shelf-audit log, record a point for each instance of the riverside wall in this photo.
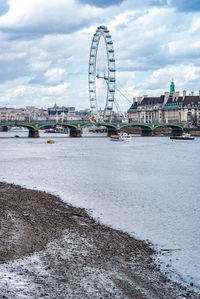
(194, 131)
(159, 131)
(162, 131)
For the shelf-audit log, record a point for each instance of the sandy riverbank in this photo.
(52, 250)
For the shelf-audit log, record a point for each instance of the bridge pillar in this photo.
(176, 132)
(113, 132)
(34, 133)
(147, 132)
(76, 132)
(4, 129)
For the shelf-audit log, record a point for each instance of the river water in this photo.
(148, 187)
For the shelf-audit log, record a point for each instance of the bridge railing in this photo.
(75, 122)
(44, 120)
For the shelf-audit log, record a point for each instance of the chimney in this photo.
(134, 100)
(184, 94)
(145, 96)
(177, 95)
(166, 98)
(174, 96)
(192, 93)
(139, 100)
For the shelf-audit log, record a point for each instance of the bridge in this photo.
(76, 127)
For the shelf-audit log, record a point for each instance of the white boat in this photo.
(184, 136)
(120, 137)
(18, 129)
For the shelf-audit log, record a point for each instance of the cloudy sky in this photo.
(44, 48)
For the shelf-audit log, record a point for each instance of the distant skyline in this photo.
(44, 48)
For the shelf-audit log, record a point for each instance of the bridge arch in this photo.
(103, 124)
(170, 125)
(24, 125)
(138, 125)
(53, 124)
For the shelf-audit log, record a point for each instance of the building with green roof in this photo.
(168, 108)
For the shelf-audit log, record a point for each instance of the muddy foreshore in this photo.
(49, 249)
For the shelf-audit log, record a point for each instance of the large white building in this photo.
(22, 114)
(168, 108)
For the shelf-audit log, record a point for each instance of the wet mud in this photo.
(49, 249)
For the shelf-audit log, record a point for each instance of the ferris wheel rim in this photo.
(102, 32)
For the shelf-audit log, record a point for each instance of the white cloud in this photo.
(195, 26)
(45, 50)
(180, 47)
(47, 16)
(36, 65)
(183, 75)
(29, 93)
(55, 75)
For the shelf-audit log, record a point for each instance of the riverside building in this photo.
(29, 113)
(168, 108)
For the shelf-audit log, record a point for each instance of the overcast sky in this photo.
(44, 48)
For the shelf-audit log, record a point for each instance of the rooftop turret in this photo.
(172, 88)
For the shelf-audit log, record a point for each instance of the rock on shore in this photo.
(49, 249)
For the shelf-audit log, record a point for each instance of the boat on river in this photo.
(50, 141)
(121, 137)
(60, 130)
(184, 136)
(50, 131)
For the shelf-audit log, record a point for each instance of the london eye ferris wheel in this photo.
(103, 33)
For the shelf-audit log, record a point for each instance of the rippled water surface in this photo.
(148, 187)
